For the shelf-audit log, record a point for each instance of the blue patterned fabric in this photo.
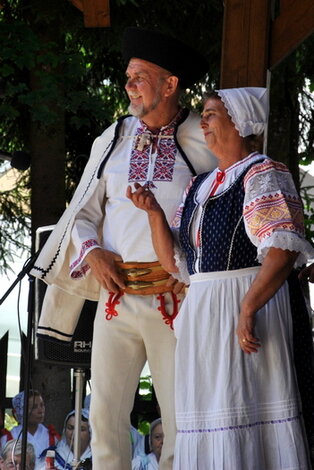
(222, 210)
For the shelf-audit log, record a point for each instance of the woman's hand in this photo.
(275, 269)
(161, 234)
(143, 198)
(245, 332)
(177, 286)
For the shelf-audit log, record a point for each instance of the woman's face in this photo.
(69, 434)
(36, 409)
(157, 440)
(219, 131)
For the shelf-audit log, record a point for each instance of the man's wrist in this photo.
(92, 253)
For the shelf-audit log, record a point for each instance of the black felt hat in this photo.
(178, 58)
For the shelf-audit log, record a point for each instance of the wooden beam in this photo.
(96, 13)
(245, 43)
(78, 4)
(293, 25)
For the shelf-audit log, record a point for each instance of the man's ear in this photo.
(172, 85)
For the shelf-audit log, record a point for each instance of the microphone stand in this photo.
(28, 353)
(79, 375)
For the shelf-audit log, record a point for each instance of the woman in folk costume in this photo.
(241, 232)
(39, 435)
(64, 449)
(151, 461)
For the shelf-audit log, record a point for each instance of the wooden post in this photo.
(96, 12)
(253, 42)
(245, 43)
(293, 25)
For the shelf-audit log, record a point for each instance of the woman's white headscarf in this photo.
(18, 404)
(84, 413)
(152, 426)
(248, 108)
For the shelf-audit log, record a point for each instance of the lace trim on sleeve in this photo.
(180, 260)
(286, 241)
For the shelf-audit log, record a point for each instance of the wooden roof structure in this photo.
(257, 34)
(256, 38)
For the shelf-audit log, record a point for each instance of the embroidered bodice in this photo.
(230, 219)
(222, 239)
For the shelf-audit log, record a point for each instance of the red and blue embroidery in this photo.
(165, 147)
(81, 272)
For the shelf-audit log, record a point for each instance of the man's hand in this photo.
(105, 270)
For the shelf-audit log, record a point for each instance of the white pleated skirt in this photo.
(235, 411)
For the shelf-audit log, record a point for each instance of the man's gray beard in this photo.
(137, 111)
(140, 111)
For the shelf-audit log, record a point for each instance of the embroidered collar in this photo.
(167, 130)
(217, 181)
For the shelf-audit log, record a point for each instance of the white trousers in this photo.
(120, 349)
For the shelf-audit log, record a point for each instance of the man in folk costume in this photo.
(101, 248)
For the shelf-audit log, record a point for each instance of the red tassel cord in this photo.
(168, 319)
(113, 301)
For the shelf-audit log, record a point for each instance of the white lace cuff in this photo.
(180, 260)
(286, 241)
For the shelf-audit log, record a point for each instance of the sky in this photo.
(9, 321)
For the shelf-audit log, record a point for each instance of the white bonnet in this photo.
(247, 107)
(18, 405)
(151, 429)
(84, 413)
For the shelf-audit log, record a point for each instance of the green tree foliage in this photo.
(15, 222)
(54, 70)
(78, 73)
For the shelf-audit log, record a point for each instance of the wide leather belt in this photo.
(144, 278)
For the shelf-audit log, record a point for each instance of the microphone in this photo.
(19, 160)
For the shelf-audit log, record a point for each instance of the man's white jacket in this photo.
(65, 296)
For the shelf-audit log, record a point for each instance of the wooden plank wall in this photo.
(254, 42)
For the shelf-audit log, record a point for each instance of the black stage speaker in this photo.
(78, 353)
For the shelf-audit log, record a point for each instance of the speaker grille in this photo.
(78, 352)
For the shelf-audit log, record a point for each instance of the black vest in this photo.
(224, 242)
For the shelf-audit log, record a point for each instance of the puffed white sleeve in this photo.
(180, 260)
(272, 211)
(138, 463)
(87, 231)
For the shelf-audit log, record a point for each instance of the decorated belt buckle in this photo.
(136, 272)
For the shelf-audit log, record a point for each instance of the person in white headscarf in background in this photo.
(64, 449)
(240, 234)
(156, 438)
(38, 434)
